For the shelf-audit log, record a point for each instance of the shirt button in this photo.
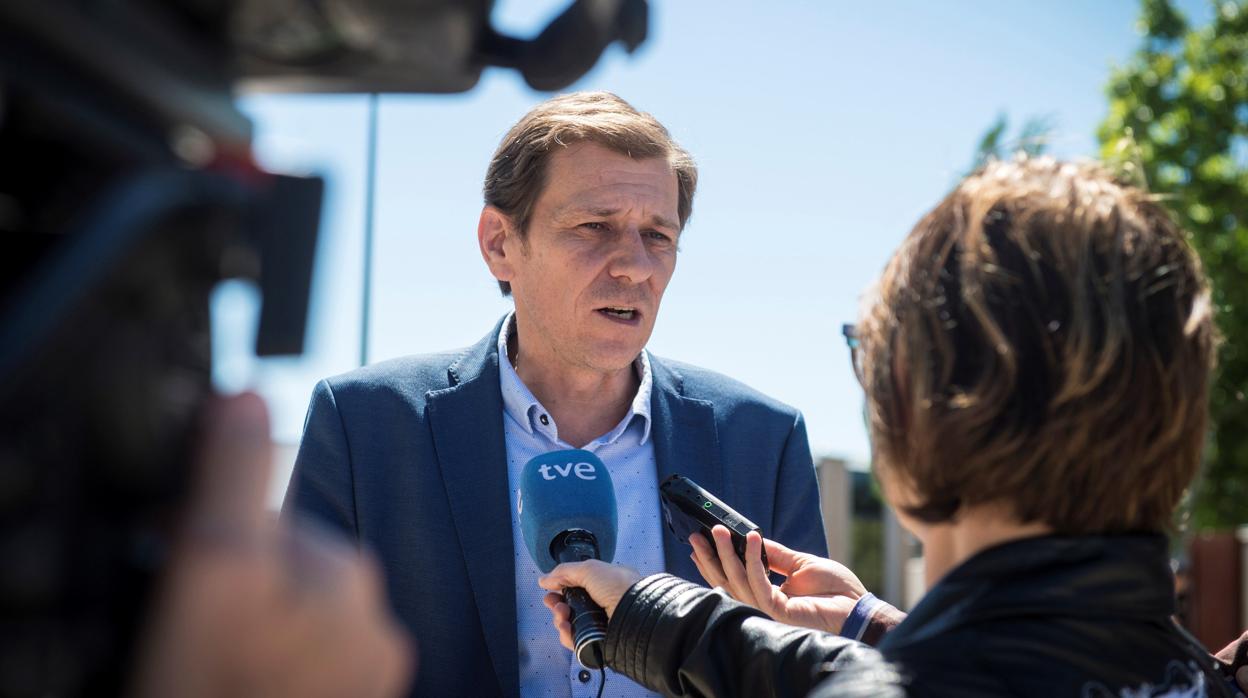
(583, 676)
(544, 420)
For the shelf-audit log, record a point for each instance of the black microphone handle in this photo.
(589, 627)
(589, 621)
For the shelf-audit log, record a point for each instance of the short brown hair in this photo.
(1043, 339)
(517, 172)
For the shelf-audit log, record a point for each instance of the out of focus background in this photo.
(823, 131)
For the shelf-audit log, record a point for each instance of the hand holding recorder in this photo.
(731, 553)
(817, 593)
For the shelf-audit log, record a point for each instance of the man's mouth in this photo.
(619, 312)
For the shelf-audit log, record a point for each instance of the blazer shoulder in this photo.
(726, 393)
(407, 377)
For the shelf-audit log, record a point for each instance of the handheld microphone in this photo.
(567, 514)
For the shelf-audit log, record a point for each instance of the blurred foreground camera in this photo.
(128, 190)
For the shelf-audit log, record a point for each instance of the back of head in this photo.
(1042, 340)
(516, 175)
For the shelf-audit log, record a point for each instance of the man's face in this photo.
(600, 250)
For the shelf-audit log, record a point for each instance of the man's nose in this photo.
(630, 260)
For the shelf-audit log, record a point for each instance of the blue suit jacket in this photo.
(408, 458)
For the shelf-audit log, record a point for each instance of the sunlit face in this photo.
(600, 250)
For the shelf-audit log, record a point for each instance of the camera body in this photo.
(128, 190)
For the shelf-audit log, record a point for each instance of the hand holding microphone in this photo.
(605, 584)
(568, 515)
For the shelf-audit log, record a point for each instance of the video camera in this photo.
(128, 190)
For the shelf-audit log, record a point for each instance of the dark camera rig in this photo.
(127, 192)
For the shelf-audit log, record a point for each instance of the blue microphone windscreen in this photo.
(561, 491)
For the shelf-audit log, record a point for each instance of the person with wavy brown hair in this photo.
(1042, 338)
(1036, 360)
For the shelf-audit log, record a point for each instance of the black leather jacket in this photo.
(1087, 617)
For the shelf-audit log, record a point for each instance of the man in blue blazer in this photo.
(418, 458)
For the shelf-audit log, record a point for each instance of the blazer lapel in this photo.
(467, 424)
(686, 443)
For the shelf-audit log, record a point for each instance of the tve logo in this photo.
(585, 471)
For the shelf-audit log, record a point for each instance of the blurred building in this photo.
(1213, 586)
(863, 534)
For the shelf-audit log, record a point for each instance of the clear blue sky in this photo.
(823, 130)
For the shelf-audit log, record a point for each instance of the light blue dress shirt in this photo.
(546, 668)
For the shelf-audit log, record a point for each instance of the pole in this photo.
(370, 184)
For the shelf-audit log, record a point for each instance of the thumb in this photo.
(781, 559)
(568, 574)
(233, 467)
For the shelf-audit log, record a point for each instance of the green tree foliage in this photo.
(1178, 122)
(995, 144)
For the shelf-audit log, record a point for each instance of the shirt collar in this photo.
(524, 408)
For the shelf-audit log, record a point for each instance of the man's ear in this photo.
(493, 230)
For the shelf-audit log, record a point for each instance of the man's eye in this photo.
(658, 236)
(595, 225)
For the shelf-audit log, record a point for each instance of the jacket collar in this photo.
(520, 403)
(467, 426)
(1116, 576)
